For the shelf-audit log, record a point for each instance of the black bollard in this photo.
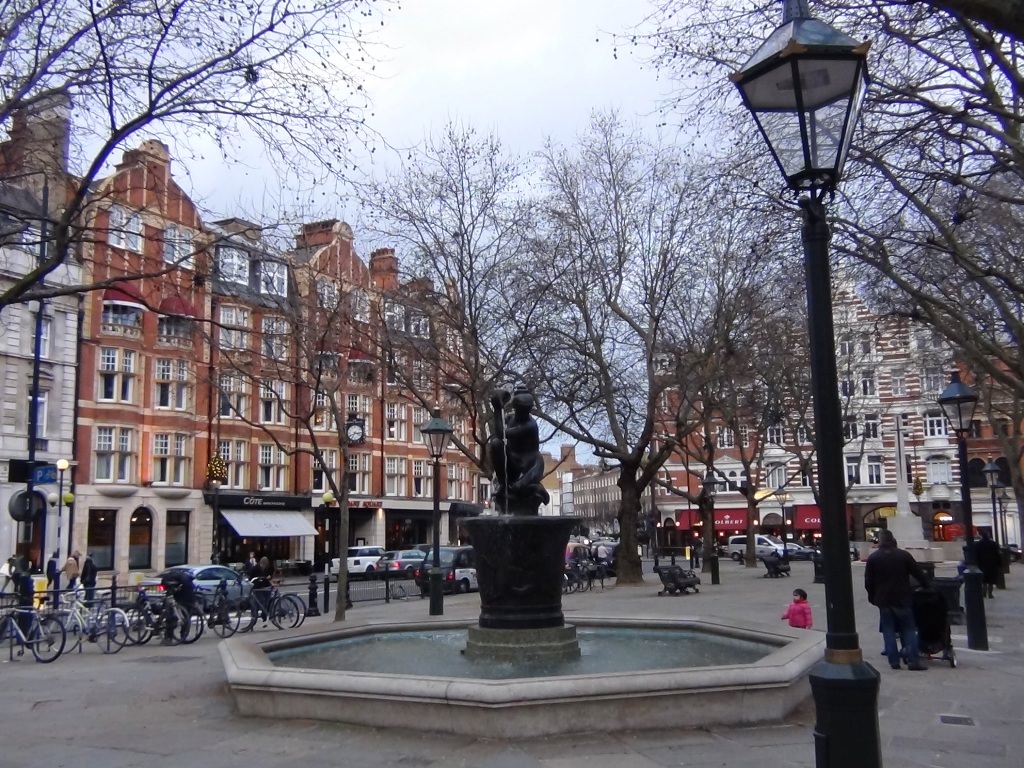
(313, 610)
(113, 591)
(327, 591)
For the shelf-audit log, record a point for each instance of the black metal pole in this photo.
(844, 686)
(974, 602)
(33, 413)
(1000, 539)
(436, 586)
(60, 515)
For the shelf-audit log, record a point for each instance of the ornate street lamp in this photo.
(958, 402)
(804, 87)
(438, 432)
(991, 472)
(710, 487)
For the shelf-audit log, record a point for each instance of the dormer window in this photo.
(178, 247)
(233, 265)
(394, 316)
(274, 278)
(360, 306)
(125, 229)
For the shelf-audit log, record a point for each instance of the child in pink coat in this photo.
(799, 611)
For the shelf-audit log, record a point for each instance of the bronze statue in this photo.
(514, 450)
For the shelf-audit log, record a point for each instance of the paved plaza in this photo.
(160, 707)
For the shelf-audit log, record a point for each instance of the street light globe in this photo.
(52, 498)
(328, 497)
(63, 465)
(69, 497)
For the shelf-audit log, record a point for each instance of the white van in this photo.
(765, 545)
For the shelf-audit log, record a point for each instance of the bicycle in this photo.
(223, 614)
(285, 611)
(186, 624)
(44, 635)
(107, 627)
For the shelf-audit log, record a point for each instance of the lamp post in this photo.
(710, 488)
(1004, 498)
(784, 498)
(804, 87)
(62, 466)
(438, 432)
(958, 402)
(991, 470)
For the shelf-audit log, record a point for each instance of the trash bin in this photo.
(819, 567)
(949, 588)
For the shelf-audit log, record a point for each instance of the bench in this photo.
(775, 567)
(675, 580)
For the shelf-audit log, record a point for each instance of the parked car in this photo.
(764, 545)
(798, 551)
(404, 560)
(458, 570)
(206, 579)
(361, 560)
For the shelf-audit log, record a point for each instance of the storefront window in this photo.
(140, 539)
(100, 542)
(176, 547)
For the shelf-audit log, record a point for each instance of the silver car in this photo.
(206, 578)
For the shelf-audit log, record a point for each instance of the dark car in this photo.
(458, 570)
(798, 552)
(206, 578)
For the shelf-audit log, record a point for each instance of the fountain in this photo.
(523, 671)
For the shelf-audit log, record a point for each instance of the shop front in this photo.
(807, 524)
(272, 525)
(730, 522)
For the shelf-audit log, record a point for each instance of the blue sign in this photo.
(44, 473)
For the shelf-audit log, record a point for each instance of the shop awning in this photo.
(175, 305)
(807, 517)
(731, 519)
(258, 524)
(686, 518)
(123, 293)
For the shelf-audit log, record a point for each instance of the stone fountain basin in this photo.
(764, 691)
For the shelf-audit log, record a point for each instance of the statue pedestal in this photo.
(549, 644)
(520, 567)
(907, 530)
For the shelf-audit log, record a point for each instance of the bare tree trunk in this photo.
(628, 568)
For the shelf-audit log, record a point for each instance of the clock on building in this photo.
(355, 430)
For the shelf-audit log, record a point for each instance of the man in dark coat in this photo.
(990, 561)
(887, 580)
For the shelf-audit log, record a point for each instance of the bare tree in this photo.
(81, 80)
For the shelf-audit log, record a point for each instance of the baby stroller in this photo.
(932, 619)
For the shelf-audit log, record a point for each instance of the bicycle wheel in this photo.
(74, 630)
(286, 612)
(140, 627)
(47, 638)
(225, 618)
(398, 592)
(190, 625)
(112, 630)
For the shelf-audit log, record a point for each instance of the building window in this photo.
(170, 459)
(326, 294)
(845, 346)
(898, 383)
(173, 330)
(933, 381)
(234, 331)
(272, 468)
(172, 384)
(726, 438)
(176, 542)
(117, 375)
(121, 318)
(974, 430)
(777, 476)
(744, 435)
(40, 409)
(937, 470)
(456, 478)
(420, 374)
(850, 428)
(178, 247)
(44, 338)
(394, 316)
(233, 397)
(325, 365)
(233, 265)
(100, 540)
(776, 435)
(871, 425)
(420, 416)
(275, 338)
(323, 412)
(875, 475)
(235, 454)
(419, 325)
(865, 343)
(801, 435)
(394, 476)
(360, 306)
(125, 229)
(395, 421)
(323, 468)
(422, 471)
(867, 383)
(114, 452)
(846, 388)
(934, 424)
(273, 402)
(140, 539)
(274, 278)
(358, 473)
(852, 470)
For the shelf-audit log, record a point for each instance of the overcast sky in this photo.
(527, 69)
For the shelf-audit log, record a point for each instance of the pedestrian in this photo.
(887, 576)
(990, 561)
(72, 569)
(52, 569)
(252, 566)
(89, 571)
(799, 611)
(7, 572)
(695, 552)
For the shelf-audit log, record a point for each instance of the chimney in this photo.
(384, 269)
(39, 137)
(317, 234)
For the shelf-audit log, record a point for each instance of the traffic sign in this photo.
(44, 473)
